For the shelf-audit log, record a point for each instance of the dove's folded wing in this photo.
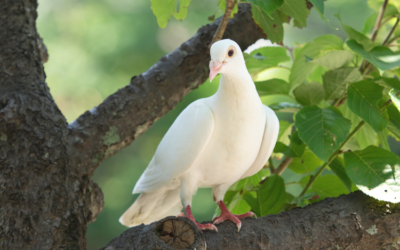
(178, 150)
(268, 142)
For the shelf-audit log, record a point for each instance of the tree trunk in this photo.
(354, 221)
(47, 198)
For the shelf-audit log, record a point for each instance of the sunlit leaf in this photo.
(251, 181)
(297, 10)
(395, 99)
(335, 81)
(376, 172)
(363, 97)
(309, 94)
(321, 45)
(163, 9)
(272, 87)
(285, 129)
(334, 59)
(270, 196)
(296, 148)
(381, 57)
(264, 58)
(323, 130)
(271, 25)
(319, 6)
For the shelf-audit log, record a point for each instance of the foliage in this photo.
(358, 76)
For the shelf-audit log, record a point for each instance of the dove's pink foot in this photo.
(208, 226)
(226, 215)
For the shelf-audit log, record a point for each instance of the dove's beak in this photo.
(215, 68)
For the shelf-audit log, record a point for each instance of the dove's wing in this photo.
(271, 132)
(178, 150)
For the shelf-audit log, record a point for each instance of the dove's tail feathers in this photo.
(152, 206)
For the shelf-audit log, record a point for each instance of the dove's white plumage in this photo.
(214, 142)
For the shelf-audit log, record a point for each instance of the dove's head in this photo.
(226, 57)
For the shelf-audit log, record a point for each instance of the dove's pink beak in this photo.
(215, 68)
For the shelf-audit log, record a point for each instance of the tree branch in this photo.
(379, 20)
(354, 221)
(230, 4)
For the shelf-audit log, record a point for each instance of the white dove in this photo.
(214, 142)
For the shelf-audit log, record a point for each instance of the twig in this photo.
(391, 31)
(377, 26)
(379, 20)
(284, 164)
(230, 4)
(271, 165)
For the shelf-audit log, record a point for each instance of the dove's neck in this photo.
(237, 87)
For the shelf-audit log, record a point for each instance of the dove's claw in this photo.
(181, 214)
(202, 227)
(226, 215)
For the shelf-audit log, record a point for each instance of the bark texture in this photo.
(354, 221)
(47, 198)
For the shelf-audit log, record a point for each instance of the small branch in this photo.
(391, 31)
(379, 20)
(230, 4)
(312, 179)
(271, 165)
(284, 164)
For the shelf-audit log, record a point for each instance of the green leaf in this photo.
(323, 130)
(264, 58)
(319, 6)
(251, 181)
(383, 136)
(376, 172)
(326, 186)
(389, 82)
(163, 9)
(337, 166)
(334, 59)
(363, 97)
(272, 26)
(286, 107)
(381, 57)
(270, 196)
(309, 94)
(222, 6)
(297, 10)
(306, 164)
(273, 87)
(321, 45)
(335, 81)
(266, 6)
(365, 136)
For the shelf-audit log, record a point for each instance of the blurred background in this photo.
(96, 46)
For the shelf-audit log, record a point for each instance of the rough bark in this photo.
(47, 198)
(354, 221)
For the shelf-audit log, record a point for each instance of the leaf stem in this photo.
(230, 4)
(391, 31)
(284, 164)
(379, 20)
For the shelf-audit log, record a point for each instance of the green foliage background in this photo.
(96, 46)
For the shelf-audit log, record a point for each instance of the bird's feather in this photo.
(180, 147)
(268, 142)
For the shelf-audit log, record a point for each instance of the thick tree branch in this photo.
(354, 221)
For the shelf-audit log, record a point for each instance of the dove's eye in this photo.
(231, 51)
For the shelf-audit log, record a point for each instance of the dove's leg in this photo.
(187, 192)
(218, 194)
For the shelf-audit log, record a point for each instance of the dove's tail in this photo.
(153, 206)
